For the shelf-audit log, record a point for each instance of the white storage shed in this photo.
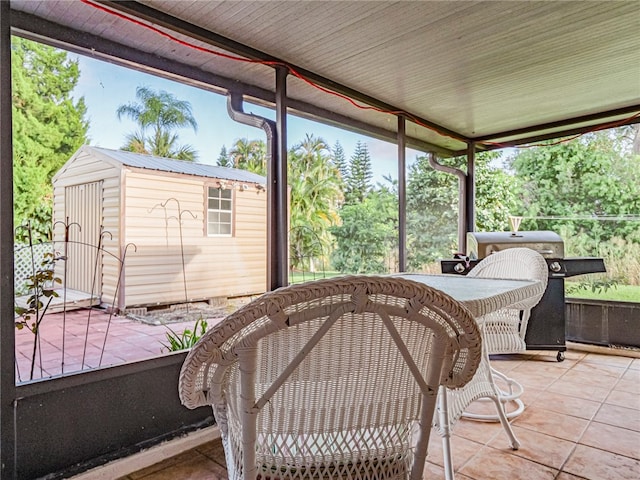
(144, 230)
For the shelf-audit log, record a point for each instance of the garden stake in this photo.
(113, 304)
(67, 227)
(93, 284)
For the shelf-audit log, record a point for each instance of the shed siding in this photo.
(85, 169)
(214, 266)
(112, 239)
(141, 208)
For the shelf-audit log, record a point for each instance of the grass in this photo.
(299, 277)
(620, 293)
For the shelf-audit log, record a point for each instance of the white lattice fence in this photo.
(25, 258)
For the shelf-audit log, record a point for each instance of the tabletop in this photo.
(480, 295)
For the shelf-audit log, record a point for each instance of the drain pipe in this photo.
(276, 208)
(470, 191)
(462, 198)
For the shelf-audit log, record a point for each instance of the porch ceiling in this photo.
(471, 69)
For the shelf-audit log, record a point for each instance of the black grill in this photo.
(546, 329)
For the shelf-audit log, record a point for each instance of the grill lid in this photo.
(546, 243)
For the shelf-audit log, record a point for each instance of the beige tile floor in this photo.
(582, 421)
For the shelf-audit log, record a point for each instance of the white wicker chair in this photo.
(334, 378)
(504, 331)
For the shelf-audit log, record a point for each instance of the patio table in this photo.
(481, 296)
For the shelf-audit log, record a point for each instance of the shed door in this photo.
(83, 209)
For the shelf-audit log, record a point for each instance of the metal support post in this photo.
(280, 205)
(402, 195)
(7, 325)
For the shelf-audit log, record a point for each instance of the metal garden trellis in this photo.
(179, 219)
(28, 273)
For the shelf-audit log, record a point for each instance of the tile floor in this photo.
(582, 421)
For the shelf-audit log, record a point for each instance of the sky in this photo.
(105, 87)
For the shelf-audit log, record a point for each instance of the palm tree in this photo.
(249, 155)
(315, 194)
(162, 113)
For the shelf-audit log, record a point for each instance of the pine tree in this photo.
(223, 158)
(340, 161)
(358, 183)
(48, 127)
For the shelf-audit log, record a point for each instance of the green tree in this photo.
(367, 237)
(594, 176)
(162, 113)
(497, 196)
(432, 206)
(432, 213)
(358, 181)
(223, 158)
(48, 127)
(340, 161)
(249, 155)
(629, 136)
(315, 194)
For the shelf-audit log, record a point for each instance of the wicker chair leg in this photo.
(512, 395)
(445, 432)
(515, 389)
(496, 417)
(515, 444)
(448, 462)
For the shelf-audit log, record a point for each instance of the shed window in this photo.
(219, 211)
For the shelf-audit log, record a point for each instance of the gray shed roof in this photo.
(150, 162)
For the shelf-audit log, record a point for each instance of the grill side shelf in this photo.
(582, 265)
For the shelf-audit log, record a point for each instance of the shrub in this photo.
(186, 339)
